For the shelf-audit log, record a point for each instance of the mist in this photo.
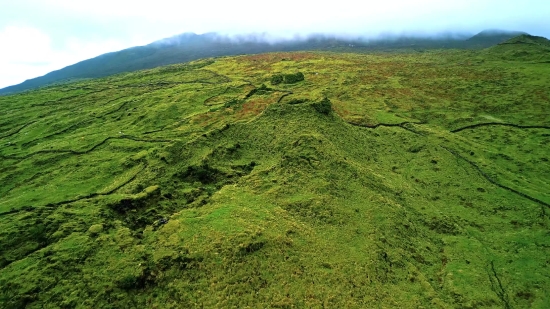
(57, 33)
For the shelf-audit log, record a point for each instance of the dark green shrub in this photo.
(297, 101)
(324, 106)
(128, 282)
(287, 78)
(202, 173)
(263, 89)
(293, 78)
(276, 79)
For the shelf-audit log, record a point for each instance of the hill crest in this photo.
(527, 39)
(523, 47)
(190, 46)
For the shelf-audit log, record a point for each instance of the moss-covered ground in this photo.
(392, 180)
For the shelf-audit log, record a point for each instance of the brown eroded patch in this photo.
(256, 105)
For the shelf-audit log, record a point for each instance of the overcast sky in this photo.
(39, 36)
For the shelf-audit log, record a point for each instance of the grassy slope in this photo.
(189, 46)
(524, 47)
(393, 199)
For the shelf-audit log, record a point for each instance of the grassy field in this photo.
(391, 180)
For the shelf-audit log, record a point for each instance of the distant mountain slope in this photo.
(488, 38)
(189, 46)
(523, 47)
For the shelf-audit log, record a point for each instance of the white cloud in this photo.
(20, 44)
(25, 52)
(38, 36)
(348, 16)
(28, 52)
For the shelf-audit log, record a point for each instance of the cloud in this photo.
(23, 43)
(152, 20)
(28, 52)
(302, 17)
(25, 52)
(39, 36)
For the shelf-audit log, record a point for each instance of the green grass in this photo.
(193, 186)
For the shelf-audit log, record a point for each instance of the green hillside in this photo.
(385, 180)
(524, 47)
(488, 38)
(189, 46)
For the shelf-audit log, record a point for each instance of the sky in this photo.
(39, 36)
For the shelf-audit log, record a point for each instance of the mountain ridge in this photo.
(190, 46)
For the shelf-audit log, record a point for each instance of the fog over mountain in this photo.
(190, 46)
(43, 36)
(274, 154)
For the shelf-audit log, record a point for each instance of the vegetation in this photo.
(392, 180)
(524, 47)
(277, 79)
(190, 46)
(291, 78)
(324, 106)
